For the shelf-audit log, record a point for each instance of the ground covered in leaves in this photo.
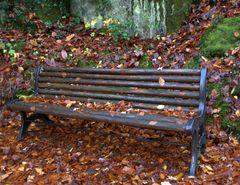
(67, 156)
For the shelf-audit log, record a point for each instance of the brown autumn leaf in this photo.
(33, 42)
(50, 62)
(64, 54)
(128, 170)
(69, 37)
(214, 94)
(161, 81)
(5, 176)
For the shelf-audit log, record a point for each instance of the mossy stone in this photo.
(221, 37)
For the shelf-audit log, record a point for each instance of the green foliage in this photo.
(220, 37)
(145, 63)
(49, 11)
(20, 21)
(86, 63)
(11, 48)
(220, 103)
(192, 64)
(118, 31)
(22, 94)
(225, 108)
(232, 126)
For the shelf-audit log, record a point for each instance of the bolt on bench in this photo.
(147, 89)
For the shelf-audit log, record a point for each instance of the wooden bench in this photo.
(147, 89)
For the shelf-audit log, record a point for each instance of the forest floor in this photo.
(67, 156)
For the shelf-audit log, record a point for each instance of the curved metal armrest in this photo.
(193, 124)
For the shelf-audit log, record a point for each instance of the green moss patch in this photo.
(192, 64)
(221, 37)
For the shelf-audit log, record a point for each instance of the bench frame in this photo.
(195, 127)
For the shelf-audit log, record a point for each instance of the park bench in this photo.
(147, 89)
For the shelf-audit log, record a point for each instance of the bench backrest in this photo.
(181, 89)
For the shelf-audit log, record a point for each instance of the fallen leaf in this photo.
(33, 108)
(161, 81)
(69, 37)
(33, 43)
(5, 176)
(162, 176)
(128, 170)
(51, 62)
(21, 169)
(152, 122)
(208, 167)
(64, 54)
(236, 34)
(237, 113)
(179, 176)
(39, 171)
(160, 107)
(165, 167)
(69, 103)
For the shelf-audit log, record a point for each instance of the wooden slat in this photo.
(148, 117)
(177, 86)
(152, 78)
(144, 106)
(69, 112)
(164, 101)
(126, 71)
(121, 90)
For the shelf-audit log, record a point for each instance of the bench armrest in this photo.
(194, 124)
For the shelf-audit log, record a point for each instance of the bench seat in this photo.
(135, 120)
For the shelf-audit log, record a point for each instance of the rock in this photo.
(147, 18)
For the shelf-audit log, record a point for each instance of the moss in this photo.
(220, 37)
(220, 103)
(86, 64)
(232, 126)
(145, 63)
(192, 64)
(48, 13)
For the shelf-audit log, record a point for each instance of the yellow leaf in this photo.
(161, 81)
(165, 167)
(39, 171)
(238, 113)
(208, 167)
(179, 176)
(69, 37)
(21, 169)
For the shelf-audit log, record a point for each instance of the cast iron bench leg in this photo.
(195, 153)
(203, 139)
(26, 122)
(24, 126)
